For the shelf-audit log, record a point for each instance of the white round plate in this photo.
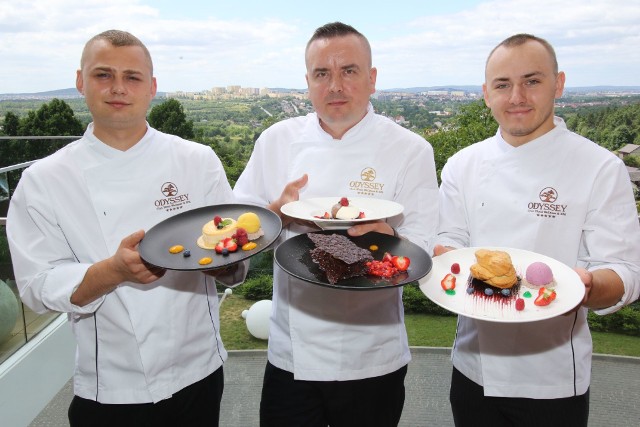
(568, 286)
(310, 209)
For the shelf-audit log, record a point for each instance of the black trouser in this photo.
(194, 406)
(370, 402)
(472, 408)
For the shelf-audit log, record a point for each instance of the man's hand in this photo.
(126, 262)
(439, 249)
(291, 193)
(366, 227)
(124, 266)
(603, 288)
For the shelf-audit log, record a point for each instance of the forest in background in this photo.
(231, 127)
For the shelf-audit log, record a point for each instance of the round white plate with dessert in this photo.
(296, 258)
(210, 237)
(341, 212)
(544, 287)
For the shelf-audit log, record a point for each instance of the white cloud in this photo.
(597, 42)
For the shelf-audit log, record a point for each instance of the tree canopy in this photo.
(472, 123)
(169, 117)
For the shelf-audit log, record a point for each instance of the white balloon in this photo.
(257, 318)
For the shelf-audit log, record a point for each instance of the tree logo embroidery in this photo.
(368, 174)
(548, 195)
(169, 189)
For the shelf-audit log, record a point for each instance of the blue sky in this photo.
(197, 45)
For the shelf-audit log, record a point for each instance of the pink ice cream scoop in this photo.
(539, 274)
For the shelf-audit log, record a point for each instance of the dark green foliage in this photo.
(11, 124)
(169, 117)
(55, 118)
(610, 127)
(472, 123)
(624, 321)
(256, 287)
(259, 282)
(633, 161)
(416, 302)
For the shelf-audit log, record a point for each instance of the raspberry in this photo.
(216, 220)
(241, 237)
(519, 304)
(455, 268)
(344, 201)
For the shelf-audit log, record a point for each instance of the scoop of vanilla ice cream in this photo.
(347, 212)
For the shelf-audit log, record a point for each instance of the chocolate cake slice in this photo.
(338, 256)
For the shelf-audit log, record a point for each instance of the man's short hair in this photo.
(337, 29)
(522, 38)
(117, 38)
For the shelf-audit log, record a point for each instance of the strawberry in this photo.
(230, 245)
(216, 220)
(381, 268)
(325, 216)
(344, 201)
(545, 296)
(226, 245)
(401, 262)
(361, 215)
(449, 282)
(387, 257)
(455, 268)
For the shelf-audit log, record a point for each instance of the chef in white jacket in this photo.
(149, 349)
(536, 186)
(339, 357)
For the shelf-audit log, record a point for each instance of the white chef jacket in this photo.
(139, 343)
(491, 195)
(326, 334)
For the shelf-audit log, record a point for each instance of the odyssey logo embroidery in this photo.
(547, 207)
(172, 200)
(367, 186)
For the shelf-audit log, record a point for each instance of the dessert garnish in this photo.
(205, 261)
(225, 246)
(389, 266)
(455, 268)
(176, 249)
(448, 283)
(545, 297)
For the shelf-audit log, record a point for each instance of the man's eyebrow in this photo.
(111, 69)
(532, 74)
(525, 76)
(346, 67)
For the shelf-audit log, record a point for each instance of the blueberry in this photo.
(488, 292)
(186, 254)
(225, 251)
(506, 292)
(470, 291)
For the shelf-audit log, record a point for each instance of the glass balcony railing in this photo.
(18, 324)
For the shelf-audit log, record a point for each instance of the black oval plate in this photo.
(185, 228)
(293, 257)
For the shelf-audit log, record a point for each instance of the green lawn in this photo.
(423, 330)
